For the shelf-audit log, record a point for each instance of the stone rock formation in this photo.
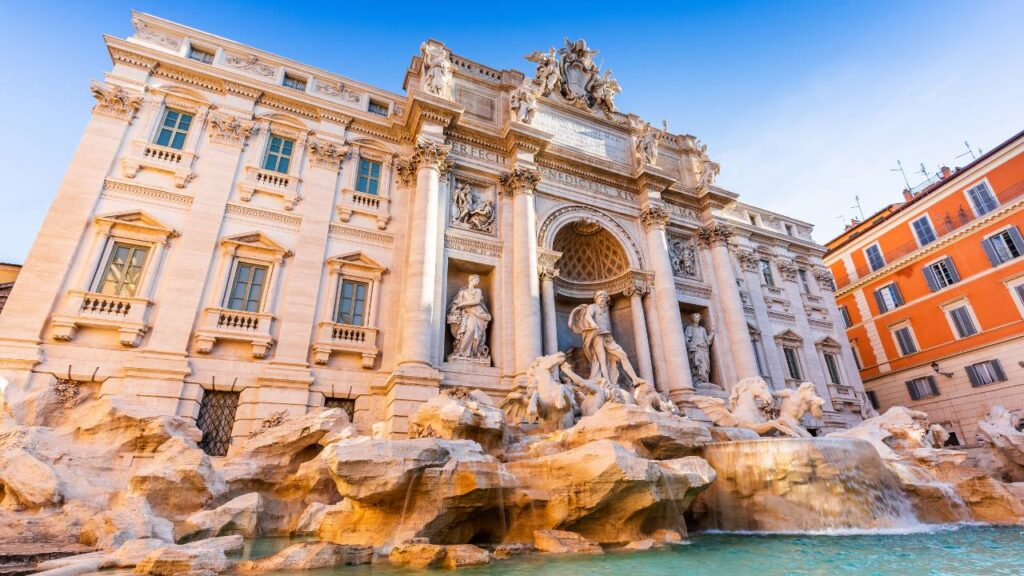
(178, 480)
(999, 431)
(564, 542)
(460, 414)
(309, 556)
(238, 516)
(654, 435)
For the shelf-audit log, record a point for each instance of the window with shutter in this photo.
(984, 373)
(923, 387)
(962, 321)
(923, 230)
(888, 297)
(874, 255)
(845, 313)
(1003, 246)
(905, 341)
(982, 199)
(941, 274)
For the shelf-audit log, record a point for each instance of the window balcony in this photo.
(345, 339)
(161, 158)
(235, 325)
(284, 186)
(125, 314)
(843, 393)
(353, 202)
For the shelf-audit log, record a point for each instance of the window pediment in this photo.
(827, 342)
(135, 224)
(789, 337)
(356, 264)
(254, 243)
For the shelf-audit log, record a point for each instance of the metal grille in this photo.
(346, 404)
(216, 419)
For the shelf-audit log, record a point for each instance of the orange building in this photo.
(932, 293)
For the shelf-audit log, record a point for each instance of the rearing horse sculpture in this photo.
(746, 408)
(796, 403)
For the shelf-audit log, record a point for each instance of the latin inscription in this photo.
(583, 137)
(582, 183)
(463, 149)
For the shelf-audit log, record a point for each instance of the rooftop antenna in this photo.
(843, 221)
(969, 151)
(900, 169)
(859, 209)
(924, 172)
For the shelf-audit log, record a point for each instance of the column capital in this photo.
(325, 154)
(639, 287)
(547, 272)
(747, 259)
(229, 129)
(520, 181)
(715, 232)
(115, 101)
(787, 269)
(427, 155)
(655, 216)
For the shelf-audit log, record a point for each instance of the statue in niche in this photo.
(469, 207)
(524, 101)
(593, 322)
(468, 319)
(647, 144)
(547, 76)
(698, 348)
(437, 70)
(683, 256)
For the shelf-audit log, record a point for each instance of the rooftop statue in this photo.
(437, 70)
(524, 101)
(572, 74)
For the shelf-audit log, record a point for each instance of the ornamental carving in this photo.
(249, 63)
(432, 155)
(143, 31)
(573, 75)
(228, 129)
(524, 101)
(520, 180)
(655, 216)
(340, 91)
(825, 279)
(326, 154)
(639, 287)
(405, 168)
(682, 253)
(590, 253)
(715, 232)
(787, 269)
(115, 101)
(437, 70)
(747, 259)
(472, 208)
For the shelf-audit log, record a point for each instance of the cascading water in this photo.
(797, 484)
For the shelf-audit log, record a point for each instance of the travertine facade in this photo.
(238, 222)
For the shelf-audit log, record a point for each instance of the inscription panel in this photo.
(470, 151)
(573, 181)
(476, 104)
(583, 137)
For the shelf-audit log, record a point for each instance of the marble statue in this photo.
(578, 71)
(548, 76)
(572, 74)
(867, 410)
(794, 405)
(999, 430)
(647, 144)
(648, 398)
(524, 101)
(698, 348)
(593, 322)
(708, 169)
(437, 70)
(603, 90)
(552, 404)
(470, 208)
(746, 407)
(591, 395)
(937, 436)
(468, 319)
(683, 256)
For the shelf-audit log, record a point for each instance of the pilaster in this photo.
(521, 184)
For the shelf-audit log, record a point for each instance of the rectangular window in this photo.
(753, 219)
(905, 341)
(845, 313)
(294, 83)
(924, 387)
(378, 108)
(123, 270)
(856, 356)
(279, 154)
(1003, 246)
(832, 363)
(982, 199)
(369, 177)
(963, 323)
(759, 357)
(874, 255)
(984, 373)
(888, 297)
(873, 399)
(1019, 291)
(923, 230)
(941, 274)
(789, 229)
(173, 129)
(792, 362)
(766, 273)
(352, 303)
(805, 283)
(247, 287)
(200, 55)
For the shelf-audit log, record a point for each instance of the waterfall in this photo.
(798, 484)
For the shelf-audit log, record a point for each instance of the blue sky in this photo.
(805, 104)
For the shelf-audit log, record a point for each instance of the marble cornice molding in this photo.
(132, 59)
(520, 181)
(519, 137)
(586, 172)
(429, 109)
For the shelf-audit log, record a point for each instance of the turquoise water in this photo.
(954, 551)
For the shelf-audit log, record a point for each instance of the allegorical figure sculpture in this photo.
(792, 407)
(683, 257)
(593, 322)
(470, 208)
(524, 101)
(647, 144)
(437, 70)
(468, 319)
(698, 349)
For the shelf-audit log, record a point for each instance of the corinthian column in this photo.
(429, 162)
(635, 293)
(716, 237)
(548, 273)
(673, 341)
(520, 184)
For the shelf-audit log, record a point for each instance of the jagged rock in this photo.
(988, 499)
(506, 551)
(27, 483)
(238, 516)
(564, 542)
(894, 434)
(311, 518)
(418, 554)
(999, 431)
(127, 519)
(463, 555)
(173, 561)
(655, 435)
(178, 480)
(134, 552)
(126, 428)
(727, 434)
(645, 544)
(310, 556)
(667, 536)
(459, 414)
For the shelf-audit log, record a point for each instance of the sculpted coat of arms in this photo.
(572, 74)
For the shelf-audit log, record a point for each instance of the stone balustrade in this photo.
(353, 202)
(127, 315)
(284, 186)
(345, 338)
(145, 155)
(236, 325)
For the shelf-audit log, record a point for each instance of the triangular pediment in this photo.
(358, 263)
(789, 335)
(827, 342)
(136, 221)
(255, 240)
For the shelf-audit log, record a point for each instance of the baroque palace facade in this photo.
(240, 234)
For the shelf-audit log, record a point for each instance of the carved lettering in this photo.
(470, 151)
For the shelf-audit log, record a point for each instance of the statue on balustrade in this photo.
(468, 319)
(698, 349)
(593, 322)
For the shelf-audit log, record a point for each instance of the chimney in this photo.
(946, 172)
(907, 194)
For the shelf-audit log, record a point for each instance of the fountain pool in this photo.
(941, 550)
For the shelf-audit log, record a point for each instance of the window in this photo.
(982, 199)
(888, 297)
(1003, 246)
(200, 55)
(123, 270)
(789, 229)
(792, 362)
(845, 313)
(941, 274)
(923, 230)
(805, 283)
(905, 340)
(369, 177)
(1018, 292)
(873, 399)
(856, 356)
(962, 321)
(874, 255)
(752, 218)
(924, 387)
(215, 420)
(984, 373)
(352, 303)
(294, 82)
(766, 273)
(378, 108)
(832, 363)
(346, 404)
(174, 129)
(279, 154)
(247, 287)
